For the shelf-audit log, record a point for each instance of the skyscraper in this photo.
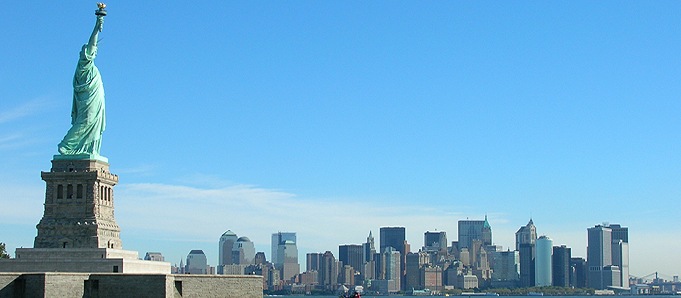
(314, 260)
(288, 260)
(435, 241)
(395, 237)
(543, 262)
(243, 251)
(280, 238)
(526, 238)
(328, 269)
(598, 256)
(352, 255)
(620, 251)
(369, 248)
(470, 230)
(225, 246)
(392, 237)
(506, 272)
(561, 266)
(526, 234)
(196, 262)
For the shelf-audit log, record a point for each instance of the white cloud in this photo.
(28, 108)
(181, 213)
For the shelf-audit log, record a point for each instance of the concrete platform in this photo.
(85, 260)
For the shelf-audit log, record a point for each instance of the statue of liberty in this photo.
(88, 121)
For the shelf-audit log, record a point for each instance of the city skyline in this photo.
(333, 119)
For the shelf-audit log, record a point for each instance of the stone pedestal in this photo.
(79, 206)
(78, 232)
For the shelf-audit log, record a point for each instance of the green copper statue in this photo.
(84, 139)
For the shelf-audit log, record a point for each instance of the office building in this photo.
(196, 262)
(435, 241)
(313, 260)
(543, 262)
(526, 235)
(526, 238)
(561, 266)
(243, 251)
(328, 270)
(280, 238)
(369, 248)
(154, 256)
(288, 260)
(620, 251)
(352, 255)
(598, 256)
(579, 272)
(225, 246)
(470, 230)
(506, 273)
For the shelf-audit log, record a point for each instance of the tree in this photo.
(3, 252)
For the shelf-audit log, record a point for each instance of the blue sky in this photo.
(334, 118)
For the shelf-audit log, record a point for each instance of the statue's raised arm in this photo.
(83, 140)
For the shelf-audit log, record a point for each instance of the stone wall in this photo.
(13, 285)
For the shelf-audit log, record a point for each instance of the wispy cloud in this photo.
(202, 214)
(30, 107)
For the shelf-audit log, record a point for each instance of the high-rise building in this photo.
(260, 258)
(620, 251)
(579, 272)
(526, 234)
(435, 241)
(598, 256)
(470, 230)
(352, 255)
(395, 237)
(280, 238)
(243, 251)
(561, 266)
(393, 269)
(369, 248)
(196, 262)
(154, 256)
(225, 246)
(526, 238)
(506, 272)
(314, 259)
(392, 237)
(328, 269)
(288, 260)
(543, 262)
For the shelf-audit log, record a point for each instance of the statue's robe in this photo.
(87, 114)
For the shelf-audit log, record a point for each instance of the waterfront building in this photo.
(434, 241)
(288, 260)
(506, 273)
(598, 256)
(328, 270)
(526, 238)
(279, 239)
(392, 237)
(470, 230)
(543, 263)
(620, 251)
(313, 260)
(225, 246)
(243, 251)
(154, 256)
(352, 255)
(578, 272)
(395, 237)
(561, 266)
(196, 262)
(369, 248)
